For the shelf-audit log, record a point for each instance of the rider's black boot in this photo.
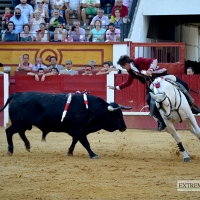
(161, 123)
(161, 126)
(195, 109)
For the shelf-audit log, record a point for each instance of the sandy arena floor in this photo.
(136, 164)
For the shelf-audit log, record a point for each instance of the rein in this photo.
(171, 110)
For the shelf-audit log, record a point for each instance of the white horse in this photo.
(174, 108)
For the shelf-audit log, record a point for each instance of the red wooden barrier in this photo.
(194, 85)
(1, 99)
(96, 85)
(134, 96)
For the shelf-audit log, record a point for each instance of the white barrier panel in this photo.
(6, 94)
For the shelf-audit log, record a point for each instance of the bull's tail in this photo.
(8, 101)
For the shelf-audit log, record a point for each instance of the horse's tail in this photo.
(7, 102)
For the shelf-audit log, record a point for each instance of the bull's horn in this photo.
(152, 95)
(125, 107)
(110, 108)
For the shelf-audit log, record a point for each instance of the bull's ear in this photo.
(125, 107)
(110, 108)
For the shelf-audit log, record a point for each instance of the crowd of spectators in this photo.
(49, 20)
(39, 71)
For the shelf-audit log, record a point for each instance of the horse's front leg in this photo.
(171, 129)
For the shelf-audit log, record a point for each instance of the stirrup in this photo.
(195, 109)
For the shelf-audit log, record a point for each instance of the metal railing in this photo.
(125, 27)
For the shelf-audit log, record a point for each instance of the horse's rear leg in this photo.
(171, 129)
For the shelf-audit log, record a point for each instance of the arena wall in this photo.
(134, 96)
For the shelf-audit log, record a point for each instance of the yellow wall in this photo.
(79, 53)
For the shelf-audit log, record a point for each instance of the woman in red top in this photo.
(146, 69)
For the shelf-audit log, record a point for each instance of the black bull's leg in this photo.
(9, 134)
(71, 148)
(24, 138)
(84, 141)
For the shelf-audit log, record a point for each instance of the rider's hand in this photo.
(111, 87)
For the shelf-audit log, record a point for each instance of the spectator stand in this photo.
(3, 4)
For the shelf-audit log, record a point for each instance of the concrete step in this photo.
(3, 5)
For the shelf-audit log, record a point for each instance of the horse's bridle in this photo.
(171, 110)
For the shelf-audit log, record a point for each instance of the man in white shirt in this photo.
(19, 20)
(100, 16)
(38, 64)
(26, 9)
(73, 6)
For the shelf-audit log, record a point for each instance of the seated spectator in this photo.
(72, 7)
(26, 36)
(103, 18)
(53, 22)
(76, 32)
(97, 33)
(108, 68)
(117, 20)
(59, 4)
(93, 64)
(60, 34)
(113, 34)
(35, 22)
(40, 72)
(9, 35)
(89, 7)
(6, 17)
(88, 71)
(68, 69)
(54, 64)
(45, 5)
(26, 9)
(39, 64)
(190, 71)
(54, 71)
(24, 64)
(123, 9)
(42, 34)
(43, 11)
(19, 20)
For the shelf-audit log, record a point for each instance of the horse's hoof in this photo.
(28, 149)
(187, 160)
(95, 157)
(9, 153)
(70, 154)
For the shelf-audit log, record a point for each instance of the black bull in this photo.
(45, 112)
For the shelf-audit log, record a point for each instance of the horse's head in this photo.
(160, 96)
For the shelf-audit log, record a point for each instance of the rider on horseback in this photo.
(145, 70)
